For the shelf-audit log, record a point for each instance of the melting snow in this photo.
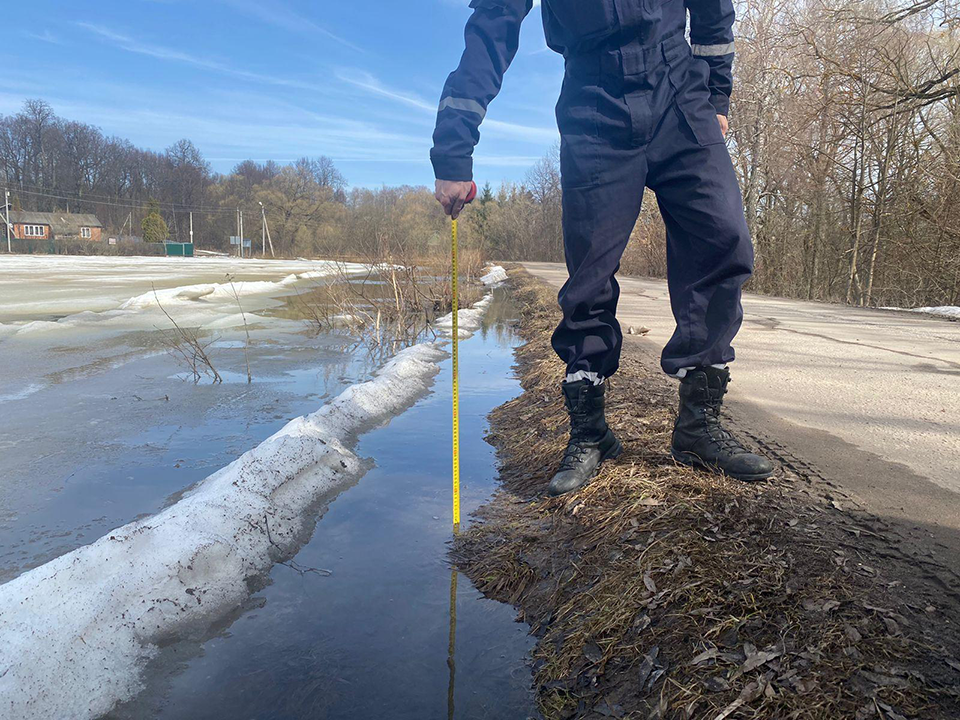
(75, 633)
(495, 275)
(190, 304)
(951, 311)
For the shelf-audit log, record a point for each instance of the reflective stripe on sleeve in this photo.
(465, 104)
(709, 50)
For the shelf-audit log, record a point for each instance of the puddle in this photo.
(359, 625)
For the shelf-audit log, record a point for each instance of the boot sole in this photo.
(612, 453)
(692, 460)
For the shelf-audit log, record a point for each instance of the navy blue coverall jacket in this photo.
(638, 109)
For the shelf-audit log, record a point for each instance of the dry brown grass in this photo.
(658, 591)
(394, 304)
(187, 347)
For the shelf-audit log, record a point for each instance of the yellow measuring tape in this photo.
(452, 641)
(456, 388)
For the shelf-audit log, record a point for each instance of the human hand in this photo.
(724, 124)
(453, 195)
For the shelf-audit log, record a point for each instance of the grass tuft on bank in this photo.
(659, 591)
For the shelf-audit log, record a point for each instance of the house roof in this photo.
(60, 223)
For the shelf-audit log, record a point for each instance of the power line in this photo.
(172, 207)
(93, 197)
(101, 199)
(131, 205)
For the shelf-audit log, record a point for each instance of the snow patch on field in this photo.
(950, 311)
(76, 633)
(495, 275)
(22, 393)
(225, 291)
(189, 304)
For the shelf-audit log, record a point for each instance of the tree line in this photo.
(845, 137)
(52, 163)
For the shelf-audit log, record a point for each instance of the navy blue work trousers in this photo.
(632, 117)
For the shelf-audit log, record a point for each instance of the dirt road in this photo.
(867, 399)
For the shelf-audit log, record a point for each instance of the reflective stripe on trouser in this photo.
(656, 128)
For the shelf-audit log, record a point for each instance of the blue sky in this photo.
(276, 79)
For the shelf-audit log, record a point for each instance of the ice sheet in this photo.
(76, 632)
(136, 299)
(64, 284)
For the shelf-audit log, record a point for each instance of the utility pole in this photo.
(6, 218)
(191, 227)
(263, 230)
(241, 234)
(266, 226)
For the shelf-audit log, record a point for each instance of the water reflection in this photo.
(452, 645)
(393, 631)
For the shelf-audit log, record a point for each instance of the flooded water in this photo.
(93, 447)
(359, 623)
(367, 634)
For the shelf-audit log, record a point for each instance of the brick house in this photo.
(55, 226)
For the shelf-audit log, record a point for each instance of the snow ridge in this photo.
(209, 297)
(76, 633)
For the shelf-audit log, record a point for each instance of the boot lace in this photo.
(577, 446)
(722, 439)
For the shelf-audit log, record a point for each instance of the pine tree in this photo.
(486, 195)
(482, 211)
(153, 226)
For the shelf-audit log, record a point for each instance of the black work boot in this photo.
(591, 441)
(698, 437)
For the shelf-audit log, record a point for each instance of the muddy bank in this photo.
(659, 591)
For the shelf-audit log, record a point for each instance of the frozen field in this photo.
(52, 287)
(64, 316)
(85, 354)
(102, 428)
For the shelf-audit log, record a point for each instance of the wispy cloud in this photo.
(369, 83)
(523, 132)
(46, 36)
(372, 113)
(462, 3)
(215, 124)
(366, 81)
(160, 52)
(129, 44)
(282, 16)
